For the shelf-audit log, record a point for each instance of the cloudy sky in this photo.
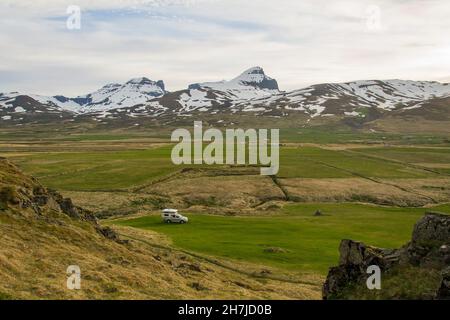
(298, 42)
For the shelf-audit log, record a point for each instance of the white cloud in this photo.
(184, 41)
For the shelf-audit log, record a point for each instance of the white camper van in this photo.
(172, 216)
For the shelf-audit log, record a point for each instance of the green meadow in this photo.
(336, 134)
(302, 241)
(315, 162)
(112, 170)
(106, 170)
(429, 157)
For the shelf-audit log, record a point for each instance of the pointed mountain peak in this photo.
(140, 80)
(249, 79)
(146, 82)
(257, 78)
(254, 70)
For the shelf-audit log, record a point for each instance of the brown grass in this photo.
(355, 189)
(220, 192)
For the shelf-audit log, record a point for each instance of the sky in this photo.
(297, 42)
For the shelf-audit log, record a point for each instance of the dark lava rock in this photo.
(430, 237)
(355, 258)
(433, 227)
(429, 248)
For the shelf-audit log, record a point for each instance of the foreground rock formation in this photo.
(428, 253)
(26, 197)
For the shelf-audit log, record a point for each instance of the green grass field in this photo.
(315, 162)
(422, 156)
(336, 134)
(98, 170)
(111, 170)
(307, 243)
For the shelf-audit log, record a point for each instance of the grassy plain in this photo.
(110, 170)
(293, 239)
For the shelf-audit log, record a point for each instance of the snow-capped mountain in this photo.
(252, 83)
(250, 93)
(111, 96)
(352, 98)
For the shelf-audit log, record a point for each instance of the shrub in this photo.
(157, 203)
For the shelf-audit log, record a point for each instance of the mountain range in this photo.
(251, 93)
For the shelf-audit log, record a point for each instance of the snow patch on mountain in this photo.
(63, 104)
(194, 99)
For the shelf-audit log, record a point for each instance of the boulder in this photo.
(432, 228)
(355, 257)
(430, 241)
(429, 248)
(357, 253)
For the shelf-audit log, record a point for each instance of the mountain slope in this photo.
(17, 109)
(353, 98)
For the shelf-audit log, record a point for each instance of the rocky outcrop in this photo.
(25, 196)
(355, 258)
(433, 227)
(429, 248)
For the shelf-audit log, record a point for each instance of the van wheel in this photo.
(168, 221)
(182, 222)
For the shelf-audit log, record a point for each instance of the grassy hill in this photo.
(42, 234)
